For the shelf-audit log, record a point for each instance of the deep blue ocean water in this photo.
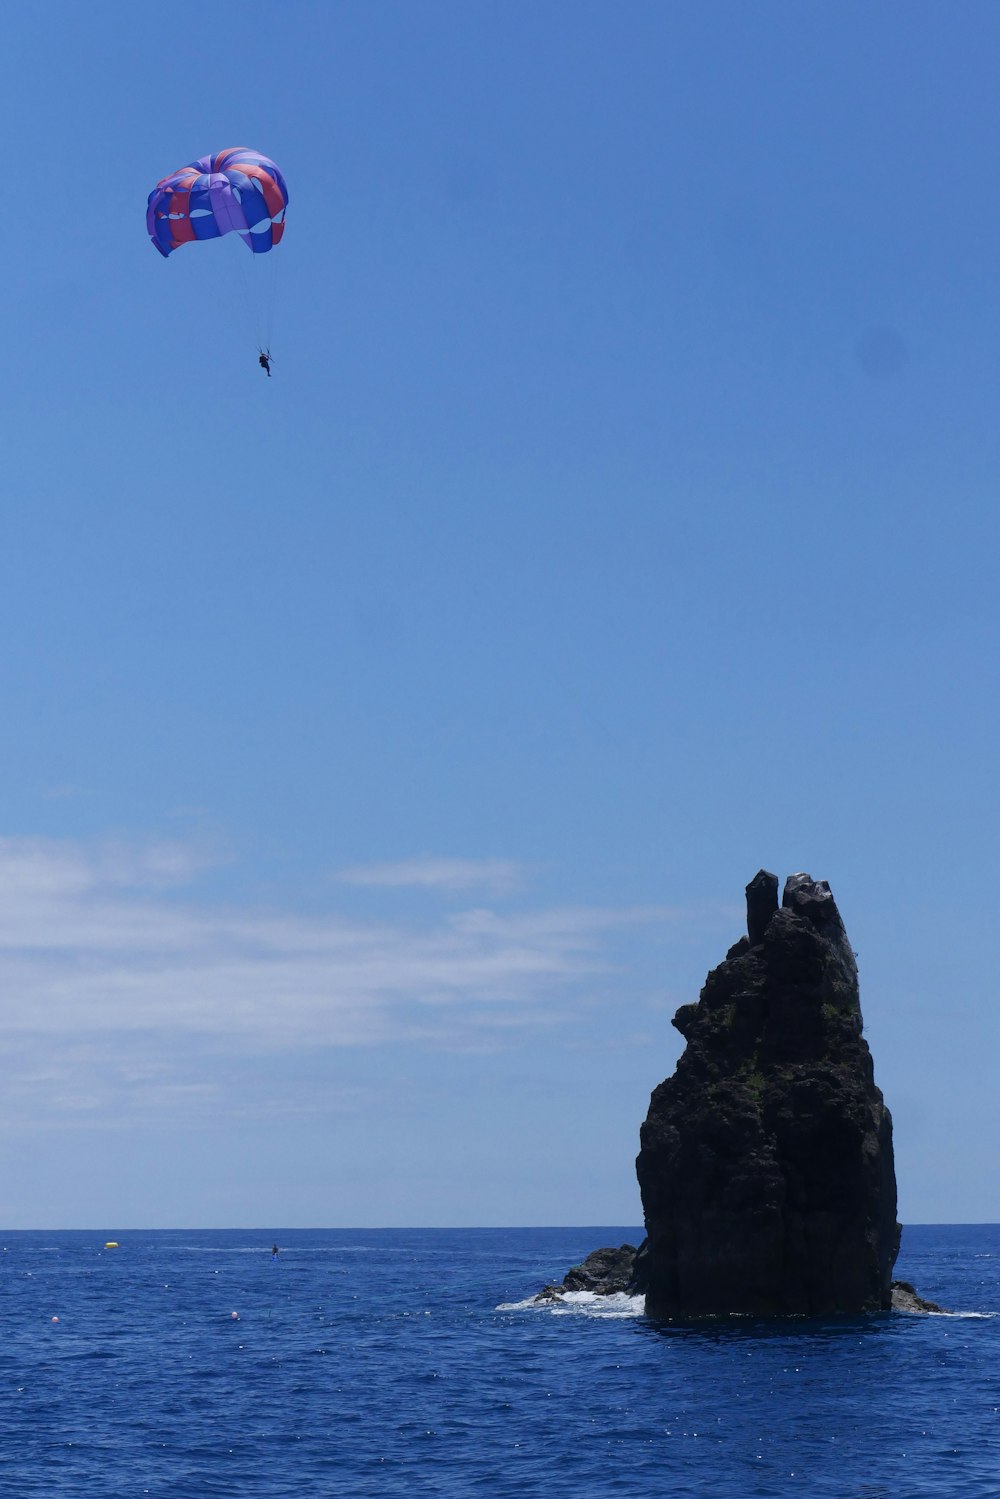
(391, 1362)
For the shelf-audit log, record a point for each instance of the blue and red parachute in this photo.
(236, 191)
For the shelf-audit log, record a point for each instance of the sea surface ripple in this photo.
(396, 1362)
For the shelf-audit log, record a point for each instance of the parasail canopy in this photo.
(236, 191)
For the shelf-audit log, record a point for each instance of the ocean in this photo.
(394, 1362)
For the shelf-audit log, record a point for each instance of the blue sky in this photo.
(385, 746)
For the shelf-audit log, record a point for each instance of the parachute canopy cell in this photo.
(237, 190)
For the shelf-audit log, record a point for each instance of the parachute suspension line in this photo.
(238, 192)
(274, 279)
(259, 330)
(264, 284)
(245, 274)
(264, 275)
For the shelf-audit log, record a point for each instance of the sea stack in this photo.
(766, 1166)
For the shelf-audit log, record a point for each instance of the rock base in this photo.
(905, 1299)
(605, 1272)
(615, 1272)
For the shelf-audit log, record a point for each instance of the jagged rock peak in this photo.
(762, 904)
(814, 900)
(766, 1165)
(806, 897)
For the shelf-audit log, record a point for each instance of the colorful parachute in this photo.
(236, 190)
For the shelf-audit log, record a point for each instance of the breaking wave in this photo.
(577, 1303)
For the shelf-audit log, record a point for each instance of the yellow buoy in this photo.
(111, 1244)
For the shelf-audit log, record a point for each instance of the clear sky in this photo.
(385, 746)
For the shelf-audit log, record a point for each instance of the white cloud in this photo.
(113, 978)
(495, 876)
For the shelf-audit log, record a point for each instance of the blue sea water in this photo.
(390, 1362)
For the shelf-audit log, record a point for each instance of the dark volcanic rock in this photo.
(762, 904)
(604, 1271)
(766, 1165)
(905, 1299)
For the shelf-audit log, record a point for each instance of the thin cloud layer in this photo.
(112, 973)
(491, 876)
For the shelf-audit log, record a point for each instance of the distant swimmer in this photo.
(264, 360)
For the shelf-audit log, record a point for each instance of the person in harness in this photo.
(264, 360)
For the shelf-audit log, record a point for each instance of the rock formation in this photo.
(905, 1299)
(766, 1166)
(605, 1272)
